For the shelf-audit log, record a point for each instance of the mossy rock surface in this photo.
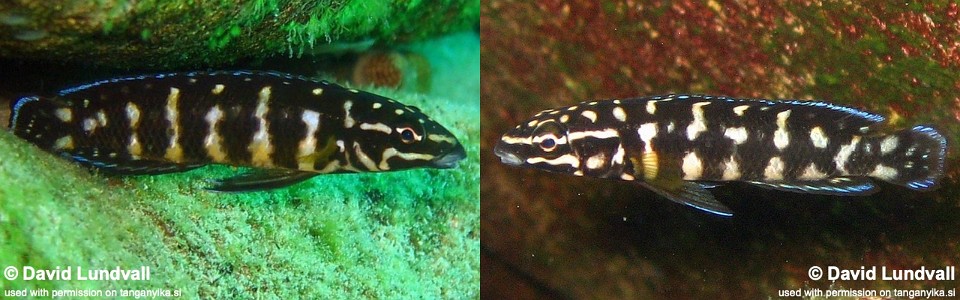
(187, 33)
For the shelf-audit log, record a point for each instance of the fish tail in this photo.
(913, 158)
(34, 119)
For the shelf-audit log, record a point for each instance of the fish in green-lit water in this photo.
(680, 145)
(290, 128)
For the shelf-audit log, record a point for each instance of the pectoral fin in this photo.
(843, 186)
(256, 180)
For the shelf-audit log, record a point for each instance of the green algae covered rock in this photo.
(411, 234)
(169, 34)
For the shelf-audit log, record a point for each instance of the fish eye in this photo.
(548, 135)
(548, 144)
(408, 135)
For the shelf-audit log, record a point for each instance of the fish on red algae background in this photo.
(570, 237)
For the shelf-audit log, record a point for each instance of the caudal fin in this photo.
(35, 119)
(912, 158)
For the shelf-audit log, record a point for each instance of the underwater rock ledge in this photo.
(170, 34)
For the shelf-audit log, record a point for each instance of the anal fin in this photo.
(709, 184)
(842, 186)
(256, 180)
(689, 193)
(131, 167)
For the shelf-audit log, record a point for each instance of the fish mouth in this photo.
(451, 159)
(506, 157)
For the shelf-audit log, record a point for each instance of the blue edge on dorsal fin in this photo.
(812, 103)
(81, 87)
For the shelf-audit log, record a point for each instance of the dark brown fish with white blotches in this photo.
(679, 145)
(289, 127)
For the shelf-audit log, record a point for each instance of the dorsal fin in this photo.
(851, 117)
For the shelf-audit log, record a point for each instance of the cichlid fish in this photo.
(680, 145)
(290, 127)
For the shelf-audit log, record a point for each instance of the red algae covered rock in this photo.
(557, 236)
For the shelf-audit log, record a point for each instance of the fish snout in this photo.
(451, 159)
(507, 156)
